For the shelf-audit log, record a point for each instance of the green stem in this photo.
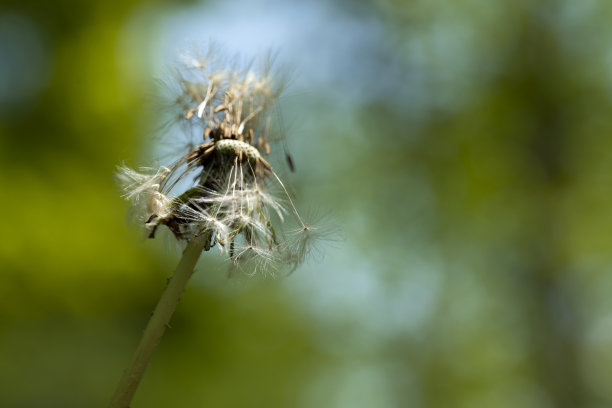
(158, 322)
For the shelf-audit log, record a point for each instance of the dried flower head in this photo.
(227, 194)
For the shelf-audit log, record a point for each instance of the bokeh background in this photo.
(463, 149)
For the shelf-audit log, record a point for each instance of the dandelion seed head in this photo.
(220, 184)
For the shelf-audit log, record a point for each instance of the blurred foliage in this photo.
(471, 177)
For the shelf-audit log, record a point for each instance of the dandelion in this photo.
(228, 200)
(217, 193)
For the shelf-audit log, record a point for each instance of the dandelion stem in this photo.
(158, 322)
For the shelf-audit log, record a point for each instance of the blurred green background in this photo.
(462, 147)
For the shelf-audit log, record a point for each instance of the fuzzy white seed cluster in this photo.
(227, 197)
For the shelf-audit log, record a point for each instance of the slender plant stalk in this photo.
(158, 322)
